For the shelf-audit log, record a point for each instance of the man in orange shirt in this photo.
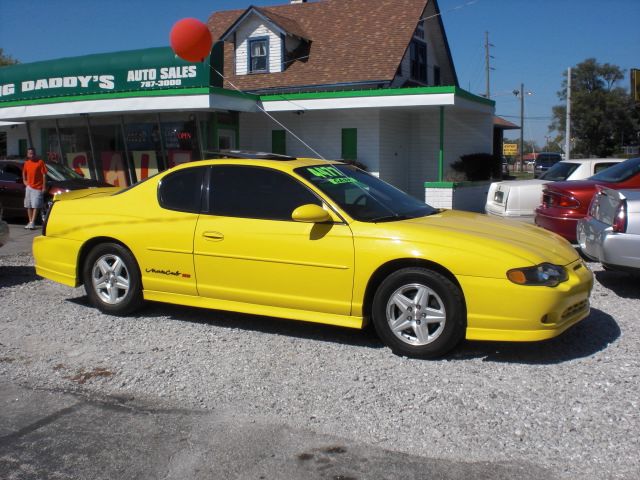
(34, 176)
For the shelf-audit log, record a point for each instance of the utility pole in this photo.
(567, 134)
(487, 61)
(522, 127)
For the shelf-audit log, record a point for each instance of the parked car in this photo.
(316, 241)
(564, 203)
(544, 161)
(4, 229)
(610, 233)
(60, 178)
(518, 199)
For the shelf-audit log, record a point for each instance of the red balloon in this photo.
(191, 40)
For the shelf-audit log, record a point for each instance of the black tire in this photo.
(112, 279)
(441, 318)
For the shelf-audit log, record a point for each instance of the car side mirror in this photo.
(311, 214)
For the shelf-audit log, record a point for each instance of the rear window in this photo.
(559, 172)
(620, 172)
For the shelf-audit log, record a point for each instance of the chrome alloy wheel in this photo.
(416, 314)
(110, 279)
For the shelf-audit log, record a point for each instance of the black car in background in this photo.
(60, 178)
(544, 161)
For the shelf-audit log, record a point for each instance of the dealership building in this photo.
(338, 79)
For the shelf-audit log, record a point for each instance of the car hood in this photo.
(493, 238)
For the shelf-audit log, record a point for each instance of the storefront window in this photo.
(151, 143)
(74, 149)
(143, 143)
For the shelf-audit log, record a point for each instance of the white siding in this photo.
(254, 27)
(403, 145)
(321, 130)
(18, 132)
(395, 136)
(436, 53)
(465, 133)
(424, 148)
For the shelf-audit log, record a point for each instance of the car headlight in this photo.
(545, 274)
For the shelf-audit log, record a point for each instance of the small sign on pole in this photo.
(509, 149)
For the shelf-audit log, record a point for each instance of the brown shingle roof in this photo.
(352, 41)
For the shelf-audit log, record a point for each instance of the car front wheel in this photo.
(419, 313)
(112, 279)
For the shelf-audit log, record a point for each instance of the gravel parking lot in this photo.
(569, 405)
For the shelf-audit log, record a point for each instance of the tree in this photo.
(6, 59)
(603, 116)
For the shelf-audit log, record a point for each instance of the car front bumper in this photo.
(599, 242)
(503, 311)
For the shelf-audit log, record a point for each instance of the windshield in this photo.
(620, 172)
(559, 172)
(61, 172)
(363, 196)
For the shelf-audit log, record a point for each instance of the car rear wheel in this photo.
(112, 279)
(419, 313)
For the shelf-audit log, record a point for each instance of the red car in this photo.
(59, 179)
(564, 203)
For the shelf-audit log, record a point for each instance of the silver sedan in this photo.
(610, 233)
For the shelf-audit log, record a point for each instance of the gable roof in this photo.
(283, 24)
(353, 42)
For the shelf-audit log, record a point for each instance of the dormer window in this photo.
(259, 55)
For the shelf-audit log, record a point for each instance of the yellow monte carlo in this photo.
(316, 241)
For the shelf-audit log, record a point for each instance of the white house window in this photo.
(258, 55)
(418, 61)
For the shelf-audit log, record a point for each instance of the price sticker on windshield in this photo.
(331, 174)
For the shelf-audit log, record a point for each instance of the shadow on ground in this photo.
(239, 321)
(623, 284)
(11, 276)
(592, 335)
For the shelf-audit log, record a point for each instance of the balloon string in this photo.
(271, 116)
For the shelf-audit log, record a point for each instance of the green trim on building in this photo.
(109, 96)
(440, 184)
(279, 142)
(441, 151)
(382, 92)
(350, 144)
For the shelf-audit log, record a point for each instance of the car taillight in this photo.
(620, 218)
(555, 199)
(46, 220)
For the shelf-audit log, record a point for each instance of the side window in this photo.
(182, 190)
(8, 176)
(601, 166)
(255, 192)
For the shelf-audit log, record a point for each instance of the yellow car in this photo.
(316, 241)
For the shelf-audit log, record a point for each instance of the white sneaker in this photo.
(28, 226)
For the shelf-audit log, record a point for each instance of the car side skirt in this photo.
(255, 309)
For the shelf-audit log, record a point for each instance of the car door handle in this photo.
(216, 236)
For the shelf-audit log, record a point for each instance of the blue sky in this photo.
(535, 40)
